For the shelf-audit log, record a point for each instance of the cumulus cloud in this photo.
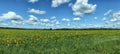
(116, 16)
(107, 13)
(76, 19)
(53, 17)
(56, 3)
(16, 22)
(32, 20)
(33, 1)
(36, 11)
(65, 19)
(44, 20)
(57, 23)
(82, 7)
(11, 16)
(113, 20)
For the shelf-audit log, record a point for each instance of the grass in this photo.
(59, 41)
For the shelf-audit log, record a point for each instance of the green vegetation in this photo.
(59, 41)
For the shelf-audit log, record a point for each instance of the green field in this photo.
(59, 41)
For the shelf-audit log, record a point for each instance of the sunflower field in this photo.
(14, 41)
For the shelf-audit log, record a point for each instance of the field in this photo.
(59, 41)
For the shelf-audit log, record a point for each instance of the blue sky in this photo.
(60, 13)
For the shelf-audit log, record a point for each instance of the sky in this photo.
(60, 13)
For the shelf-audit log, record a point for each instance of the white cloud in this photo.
(107, 13)
(76, 19)
(82, 7)
(65, 19)
(113, 20)
(95, 18)
(49, 24)
(44, 20)
(115, 16)
(35, 11)
(33, 1)
(32, 20)
(4, 24)
(56, 3)
(11, 16)
(104, 18)
(68, 24)
(16, 22)
(53, 17)
(57, 23)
